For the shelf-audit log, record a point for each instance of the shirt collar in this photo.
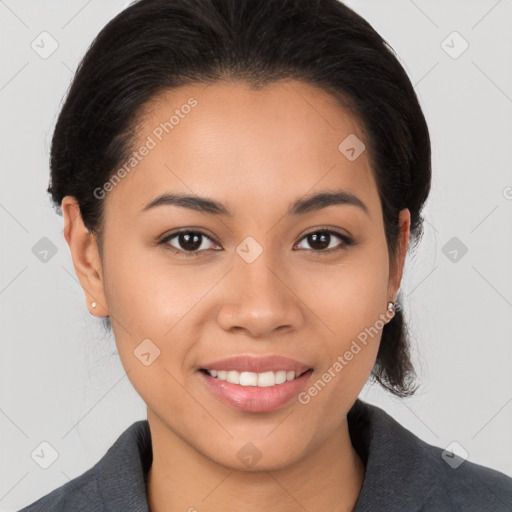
(398, 464)
(122, 472)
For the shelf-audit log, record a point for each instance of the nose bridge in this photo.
(258, 300)
(255, 275)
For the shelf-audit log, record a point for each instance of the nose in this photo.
(259, 299)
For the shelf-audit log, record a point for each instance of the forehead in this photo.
(244, 147)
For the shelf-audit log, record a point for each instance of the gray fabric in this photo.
(403, 474)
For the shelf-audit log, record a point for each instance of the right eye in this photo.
(189, 243)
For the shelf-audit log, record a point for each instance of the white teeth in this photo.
(262, 380)
(233, 377)
(247, 379)
(280, 376)
(266, 379)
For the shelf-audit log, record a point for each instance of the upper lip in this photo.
(258, 364)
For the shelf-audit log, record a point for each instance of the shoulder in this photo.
(81, 493)
(410, 474)
(115, 482)
(465, 485)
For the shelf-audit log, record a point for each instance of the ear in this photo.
(397, 266)
(86, 257)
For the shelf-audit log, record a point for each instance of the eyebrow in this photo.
(204, 205)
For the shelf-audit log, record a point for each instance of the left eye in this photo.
(322, 238)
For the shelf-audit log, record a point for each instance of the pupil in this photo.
(321, 238)
(187, 244)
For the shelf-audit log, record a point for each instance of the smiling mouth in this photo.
(262, 380)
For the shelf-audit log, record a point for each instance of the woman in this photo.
(240, 182)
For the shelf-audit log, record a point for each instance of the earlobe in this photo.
(85, 255)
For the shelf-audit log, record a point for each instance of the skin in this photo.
(256, 152)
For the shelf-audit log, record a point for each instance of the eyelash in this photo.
(347, 241)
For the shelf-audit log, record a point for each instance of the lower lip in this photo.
(254, 398)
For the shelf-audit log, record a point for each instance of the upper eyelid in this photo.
(188, 230)
(332, 231)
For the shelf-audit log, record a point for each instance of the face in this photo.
(263, 274)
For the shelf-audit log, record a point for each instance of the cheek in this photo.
(146, 301)
(147, 292)
(350, 295)
(148, 304)
(350, 299)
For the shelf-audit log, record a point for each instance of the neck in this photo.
(181, 479)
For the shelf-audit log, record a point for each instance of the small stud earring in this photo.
(94, 304)
(391, 307)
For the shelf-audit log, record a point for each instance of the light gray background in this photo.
(61, 380)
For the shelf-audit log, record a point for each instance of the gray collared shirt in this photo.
(403, 474)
